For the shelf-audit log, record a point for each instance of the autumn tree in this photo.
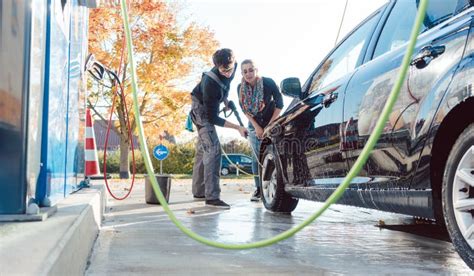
(169, 55)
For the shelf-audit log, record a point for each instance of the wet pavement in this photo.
(139, 238)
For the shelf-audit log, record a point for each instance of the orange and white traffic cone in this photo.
(91, 157)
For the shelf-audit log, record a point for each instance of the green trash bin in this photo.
(164, 182)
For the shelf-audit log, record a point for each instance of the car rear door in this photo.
(440, 46)
(246, 163)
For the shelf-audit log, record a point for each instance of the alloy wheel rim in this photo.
(269, 186)
(463, 196)
(225, 171)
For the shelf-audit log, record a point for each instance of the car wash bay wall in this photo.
(42, 99)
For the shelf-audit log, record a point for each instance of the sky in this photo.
(284, 38)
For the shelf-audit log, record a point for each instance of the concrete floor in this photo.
(139, 238)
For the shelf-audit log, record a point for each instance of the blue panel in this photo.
(78, 38)
(64, 101)
(35, 98)
(52, 176)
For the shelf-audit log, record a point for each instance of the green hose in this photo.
(337, 193)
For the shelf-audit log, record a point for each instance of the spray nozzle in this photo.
(99, 72)
(231, 105)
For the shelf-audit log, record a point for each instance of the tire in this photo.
(224, 171)
(456, 191)
(274, 196)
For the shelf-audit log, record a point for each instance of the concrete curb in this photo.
(58, 246)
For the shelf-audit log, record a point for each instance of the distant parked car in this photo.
(243, 161)
(423, 163)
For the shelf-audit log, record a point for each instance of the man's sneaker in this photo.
(199, 198)
(256, 195)
(217, 203)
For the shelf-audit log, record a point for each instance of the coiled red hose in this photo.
(129, 132)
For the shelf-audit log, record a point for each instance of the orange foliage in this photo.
(166, 55)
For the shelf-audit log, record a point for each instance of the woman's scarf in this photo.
(251, 100)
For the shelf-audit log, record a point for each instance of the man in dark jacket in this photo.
(206, 99)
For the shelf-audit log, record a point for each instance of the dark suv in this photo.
(243, 161)
(423, 164)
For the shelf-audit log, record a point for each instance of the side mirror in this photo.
(291, 87)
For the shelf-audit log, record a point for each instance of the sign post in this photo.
(160, 152)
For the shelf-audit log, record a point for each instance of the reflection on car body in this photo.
(423, 163)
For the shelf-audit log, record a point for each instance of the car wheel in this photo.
(224, 171)
(274, 196)
(458, 195)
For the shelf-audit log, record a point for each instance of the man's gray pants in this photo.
(207, 164)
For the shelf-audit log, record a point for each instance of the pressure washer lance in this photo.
(232, 107)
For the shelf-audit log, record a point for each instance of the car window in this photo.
(245, 159)
(234, 158)
(397, 29)
(345, 58)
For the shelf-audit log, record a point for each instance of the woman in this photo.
(261, 101)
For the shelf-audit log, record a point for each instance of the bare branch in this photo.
(89, 104)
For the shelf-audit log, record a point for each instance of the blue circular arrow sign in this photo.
(160, 152)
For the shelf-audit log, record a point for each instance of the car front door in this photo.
(235, 162)
(313, 136)
(394, 159)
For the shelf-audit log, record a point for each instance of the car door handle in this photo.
(426, 55)
(329, 99)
